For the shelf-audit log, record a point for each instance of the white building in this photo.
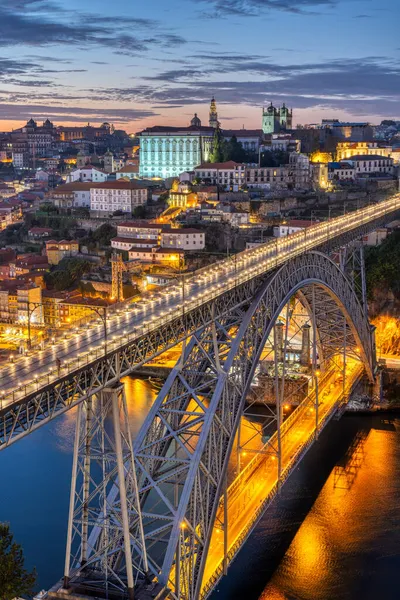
(167, 151)
(367, 165)
(20, 160)
(341, 171)
(87, 173)
(375, 238)
(147, 236)
(230, 175)
(72, 195)
(129, 172)
(234, 216)
(185, 239)
(291, 227)
(111, 196)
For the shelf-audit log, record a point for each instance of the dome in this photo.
(195, 122)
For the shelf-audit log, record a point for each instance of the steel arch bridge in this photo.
(183, 449)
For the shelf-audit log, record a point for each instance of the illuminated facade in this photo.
(168, 151)
(276, 119)
(349, 149)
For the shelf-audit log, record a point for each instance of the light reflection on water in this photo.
(347, 541)
(345, 526)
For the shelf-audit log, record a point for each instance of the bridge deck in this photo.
(257, 484)
(29, 375)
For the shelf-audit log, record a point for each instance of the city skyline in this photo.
(138, 66)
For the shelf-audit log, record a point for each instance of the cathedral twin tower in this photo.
(274, 119)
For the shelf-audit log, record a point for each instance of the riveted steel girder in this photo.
(183, 448)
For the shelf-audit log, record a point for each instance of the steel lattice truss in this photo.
(35, 409)
(182, 451)
(103, 487)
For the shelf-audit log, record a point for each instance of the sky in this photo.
(139, 63)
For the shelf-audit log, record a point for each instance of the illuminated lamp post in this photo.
(30, 313)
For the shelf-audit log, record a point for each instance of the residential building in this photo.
(341, 171)
(71, 195)
(372, 164)
(128, 172)
(5, 217)
(181, 195)
(234, 216)
(151, 236)
(185, 239)
(270, 178)
(86, 132)
(87, 173)
(111, 196)
(291, 227)
(229, 175)
(27, 263)
(56, 251)
(20, 302)
(20, 160)
(38, 233)
(172, 257)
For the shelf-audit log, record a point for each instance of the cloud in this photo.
(70, 113)
(369, 85)
(40, 23)
(252, 8)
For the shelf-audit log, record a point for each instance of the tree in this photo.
(217, 154)
(14, 579)
(233, 150)
(139, 212)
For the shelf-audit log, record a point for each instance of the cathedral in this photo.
(275, 120)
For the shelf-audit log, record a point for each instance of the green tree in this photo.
(233, 150)
(217, 154)
(14, 579)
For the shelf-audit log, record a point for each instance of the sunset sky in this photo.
(139, 63)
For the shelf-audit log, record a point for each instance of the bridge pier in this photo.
(104, 525)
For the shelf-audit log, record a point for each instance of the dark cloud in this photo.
(72, 113)
(370, 85)
(37, 23)
(252, 8)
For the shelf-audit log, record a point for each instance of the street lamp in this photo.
(30, 313)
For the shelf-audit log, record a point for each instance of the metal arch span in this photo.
(184, 446)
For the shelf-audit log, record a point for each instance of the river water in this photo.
(334, 533)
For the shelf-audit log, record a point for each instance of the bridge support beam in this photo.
(104, 526)
(352, 263)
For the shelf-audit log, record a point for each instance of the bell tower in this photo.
(213, 114)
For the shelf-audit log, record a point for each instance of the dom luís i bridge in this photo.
(272, 343)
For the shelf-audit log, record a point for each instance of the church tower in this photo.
(285, 117)
(270, 120)
(213, 114)
(109, 165)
